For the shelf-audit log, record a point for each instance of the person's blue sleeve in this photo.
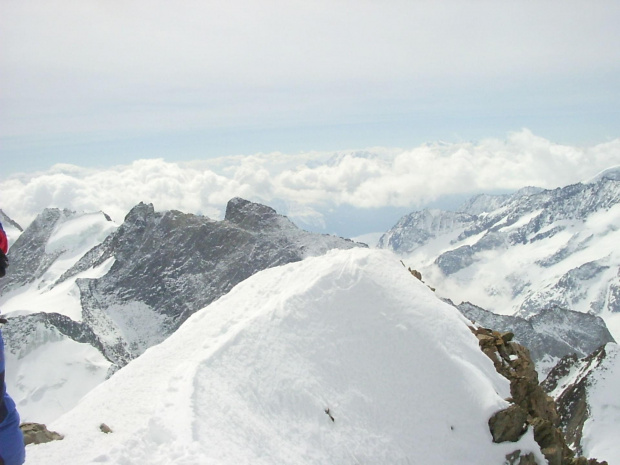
(12, 450)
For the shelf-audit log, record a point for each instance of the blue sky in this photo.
(97, 83)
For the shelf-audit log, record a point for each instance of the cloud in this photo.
(305, 186)
(94, 68)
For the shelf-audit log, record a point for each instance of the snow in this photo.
(63, 298)
(602, 430)
(522, 221)
(610, 173)
(43, 390)
(72, 239)
(248, 379)
(139, 324)
(370, 239)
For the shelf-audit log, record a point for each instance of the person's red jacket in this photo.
(4, 244)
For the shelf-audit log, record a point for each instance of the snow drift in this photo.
(248, 379)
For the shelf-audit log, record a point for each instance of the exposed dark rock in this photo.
(37, 433)
(551, 442)
(28, 257)
(168, 265)
(6, 220)
(515, 458)
(105, 428)
(508, 424)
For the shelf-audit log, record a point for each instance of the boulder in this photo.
(37, 433)
(508, 424)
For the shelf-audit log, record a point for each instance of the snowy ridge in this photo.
(248, 379)
(612, 173)
(52, 362)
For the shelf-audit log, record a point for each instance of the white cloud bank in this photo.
(312, 183)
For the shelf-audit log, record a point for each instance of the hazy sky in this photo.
(100, 83)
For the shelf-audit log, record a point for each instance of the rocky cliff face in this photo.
(53, 242)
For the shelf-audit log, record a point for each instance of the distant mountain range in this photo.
(520, 254)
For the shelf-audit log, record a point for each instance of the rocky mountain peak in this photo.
(254, 216)
(140, 213)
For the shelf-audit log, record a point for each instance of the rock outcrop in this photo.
(37, 433)
(530, 407)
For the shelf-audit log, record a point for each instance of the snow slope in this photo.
(602, 430)
(52, 376)
(248, 378)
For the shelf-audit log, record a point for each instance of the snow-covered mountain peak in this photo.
(136, 286)
(421, 227)
(612, 174)
(344, 358)
(11, 228)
